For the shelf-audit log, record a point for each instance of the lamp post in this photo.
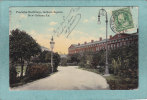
(104, 13)
(52, 47)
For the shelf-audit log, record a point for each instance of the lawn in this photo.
(91, 70)
(117, 82)
(112, 77)
(18, 69)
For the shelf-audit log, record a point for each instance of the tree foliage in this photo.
(122, 61)
(45, 57)
(74, 58)
(56, 60)
(22, 46)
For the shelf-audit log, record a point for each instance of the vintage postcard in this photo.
(73, 48)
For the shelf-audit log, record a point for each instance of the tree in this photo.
(63, 61)
(127, 59)
(98, 59)
(56, 58)
(45, 57)
(22, 46)
(13, 74)
(74, 58)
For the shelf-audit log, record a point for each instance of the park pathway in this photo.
(68, 78)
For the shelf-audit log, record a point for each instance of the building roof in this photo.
(63, 55)
(44, 48)
(87, 44)
(104, 40)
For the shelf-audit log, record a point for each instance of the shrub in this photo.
(102, 69)
(81, 64)
(56, 58)
(13, 74)
(63, 62)
(123, 84)
(36, 71)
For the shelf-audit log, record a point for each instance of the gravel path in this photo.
(68, 78)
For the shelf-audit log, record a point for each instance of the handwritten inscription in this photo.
(69, 23)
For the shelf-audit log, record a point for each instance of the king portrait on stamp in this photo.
(123, 19)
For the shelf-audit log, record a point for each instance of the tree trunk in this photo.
(22, 64)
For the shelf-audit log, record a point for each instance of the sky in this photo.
(68, 25)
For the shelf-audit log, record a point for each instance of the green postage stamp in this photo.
(123, 19)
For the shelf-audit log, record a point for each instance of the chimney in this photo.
(110, 36)
(100, 39)
(78, 43)
(85, 43)
(92, 41)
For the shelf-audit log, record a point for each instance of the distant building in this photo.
(63, 55)
(44, 48)
(114, 42)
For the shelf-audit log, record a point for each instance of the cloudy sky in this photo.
(44, 22)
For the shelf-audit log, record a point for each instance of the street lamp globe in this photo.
(102, 12)
(99, 22)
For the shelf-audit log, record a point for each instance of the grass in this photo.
(91, 70)
(112, 77)
(18, 69)
(117, 82)
(24, 80)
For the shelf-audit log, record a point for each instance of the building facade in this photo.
(114, 42)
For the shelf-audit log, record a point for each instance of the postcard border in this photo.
(5, 94)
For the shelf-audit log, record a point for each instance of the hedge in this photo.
(36, 71)
(12, 74)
